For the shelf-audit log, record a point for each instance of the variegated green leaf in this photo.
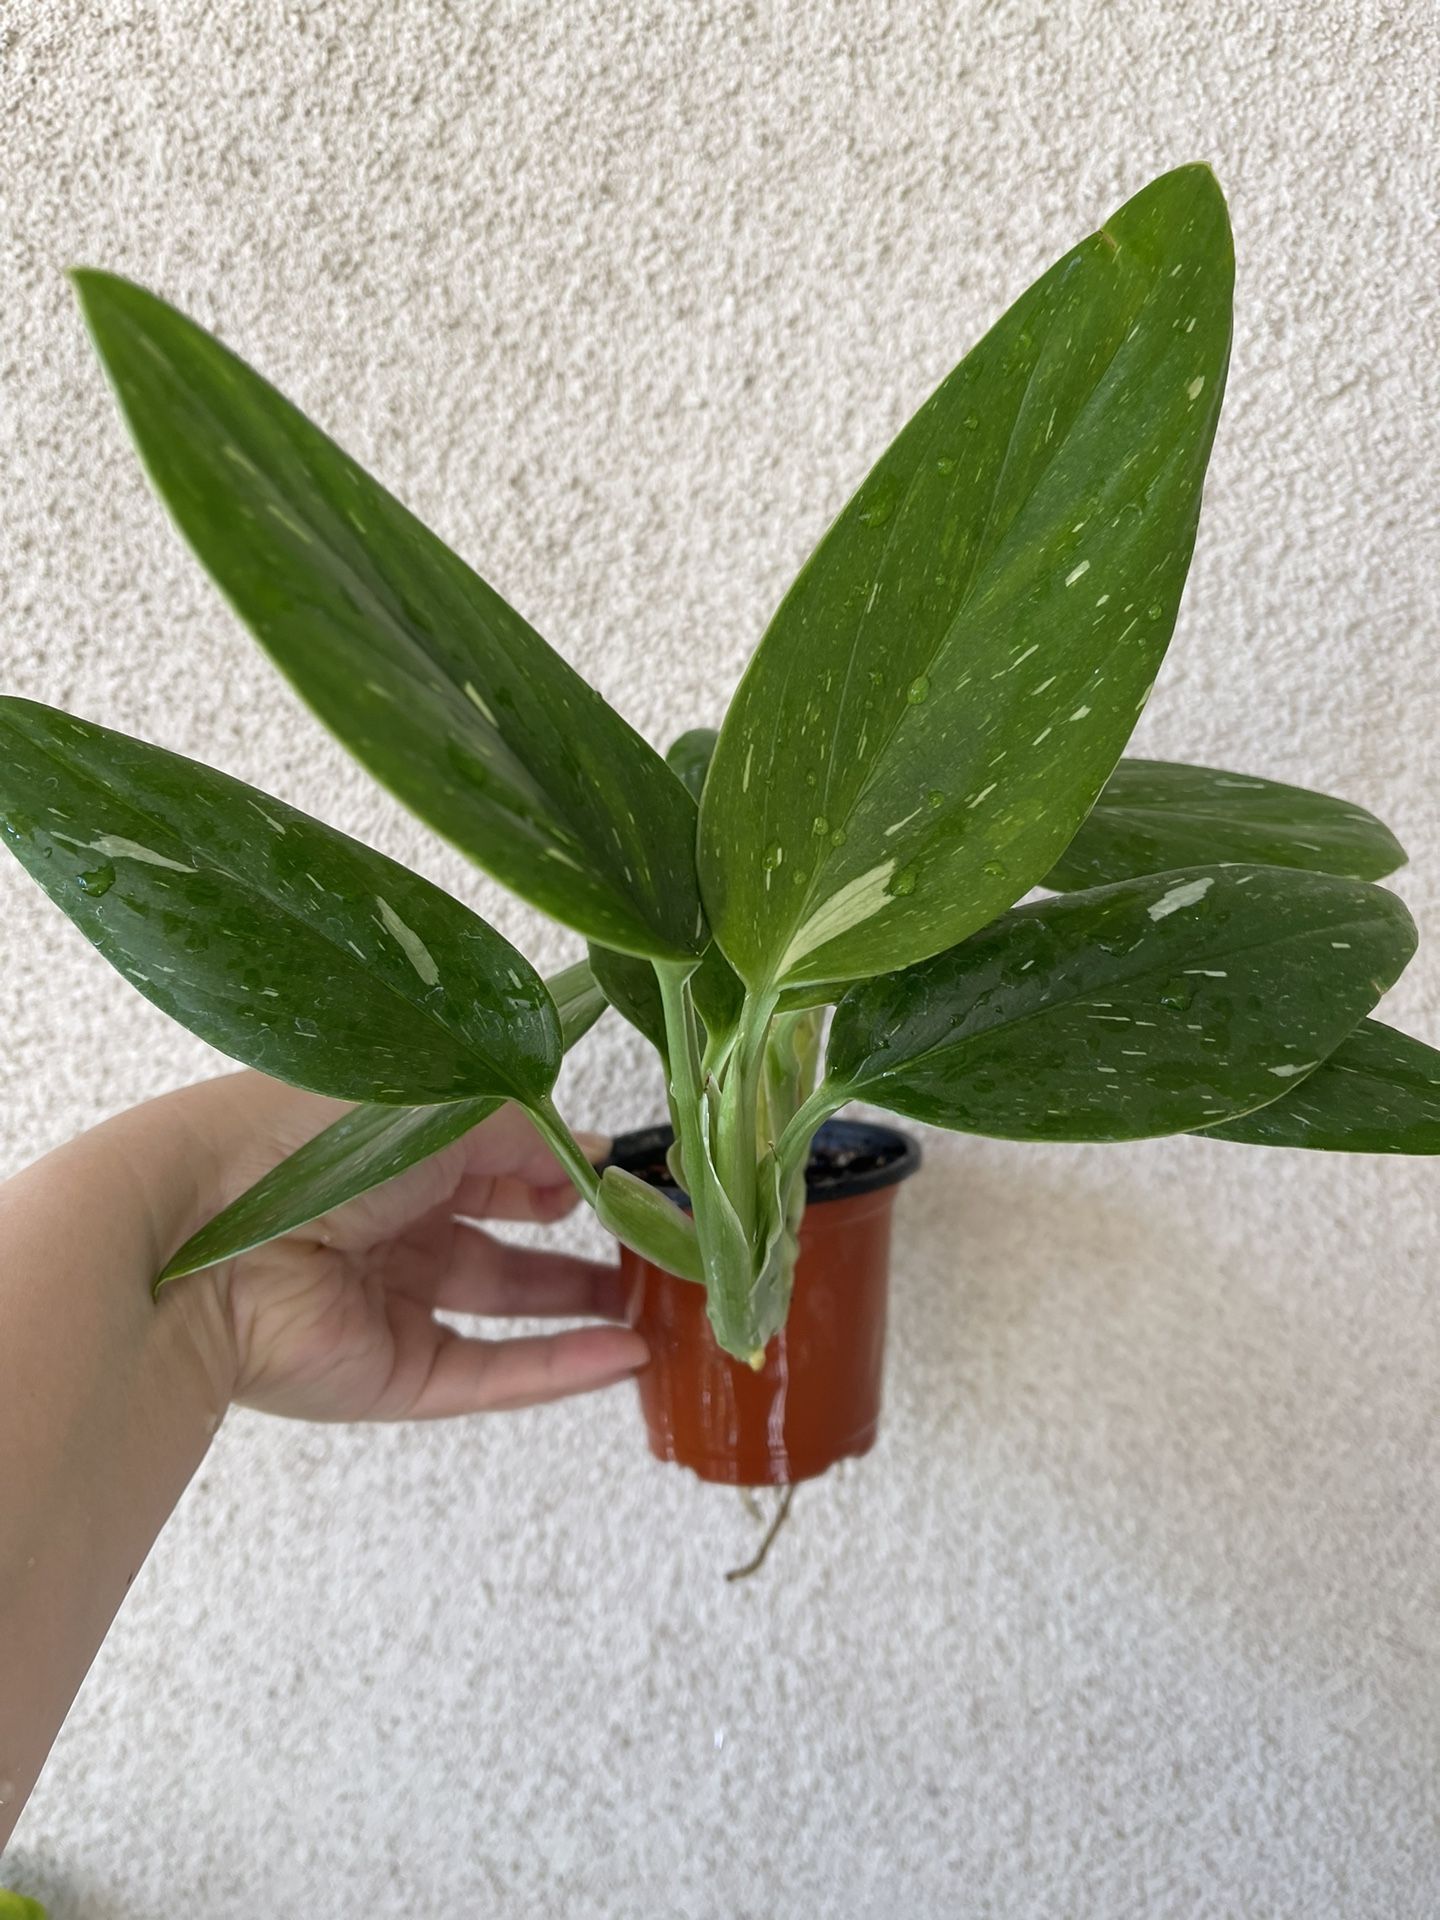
(280, 941)
(1378, 1092)
(1153, 815)
(442, 690)
(365, 1147)
(1148, 1007)
(643, 1219)
(950, 681)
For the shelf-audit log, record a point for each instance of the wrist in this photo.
(166, 1158)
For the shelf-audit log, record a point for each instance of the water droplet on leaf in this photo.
(839, 837)
(820, 825)
(919, 690)
(993, 870)
(773, 856)
(935, 797)
(99, 880)
(904, 881)
(945, 466)
(1177, 993)
(875, 511)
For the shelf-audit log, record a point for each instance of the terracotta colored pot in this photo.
(817, 1399)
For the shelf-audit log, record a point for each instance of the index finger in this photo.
(511, 1174)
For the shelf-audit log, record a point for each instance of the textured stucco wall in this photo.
(1134, 1610)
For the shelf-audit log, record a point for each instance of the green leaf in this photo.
(578, 1001)
(362, 1149)
(1153, 816)
(633, 991)
(1378, 1092)
(649, 1223)
(419, 667)
(15, 1906)
(1148, 1007)
(950, 681)
(283, 943)
(630, 985)
(719, 993)
(689, 758)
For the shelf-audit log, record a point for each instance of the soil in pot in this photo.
(817, 1398)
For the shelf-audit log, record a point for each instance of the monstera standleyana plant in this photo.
(930, 729)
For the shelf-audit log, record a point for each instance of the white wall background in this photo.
(1134, 1610)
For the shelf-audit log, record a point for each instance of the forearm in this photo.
(108, 1401)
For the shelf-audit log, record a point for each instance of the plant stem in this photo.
(683, 1042)
(566, 1148)
(737, 1155)
(825, 1100)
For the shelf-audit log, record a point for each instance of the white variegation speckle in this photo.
(1185, 895)
(233, 454)
(1288, 1072)
(858, 900)
(291, 526)
(1077, 573)
(477, 700)
(1018, 661)
(116, 848)
(1196, 387)
(413, 947)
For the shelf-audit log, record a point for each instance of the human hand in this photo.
(336, 1320)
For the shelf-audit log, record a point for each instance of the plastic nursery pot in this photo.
(817, 1399)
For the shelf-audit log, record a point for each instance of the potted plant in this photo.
(931, 727)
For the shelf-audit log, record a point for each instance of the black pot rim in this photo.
(900, 1153)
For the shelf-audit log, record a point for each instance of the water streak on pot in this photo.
(779, 1458)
